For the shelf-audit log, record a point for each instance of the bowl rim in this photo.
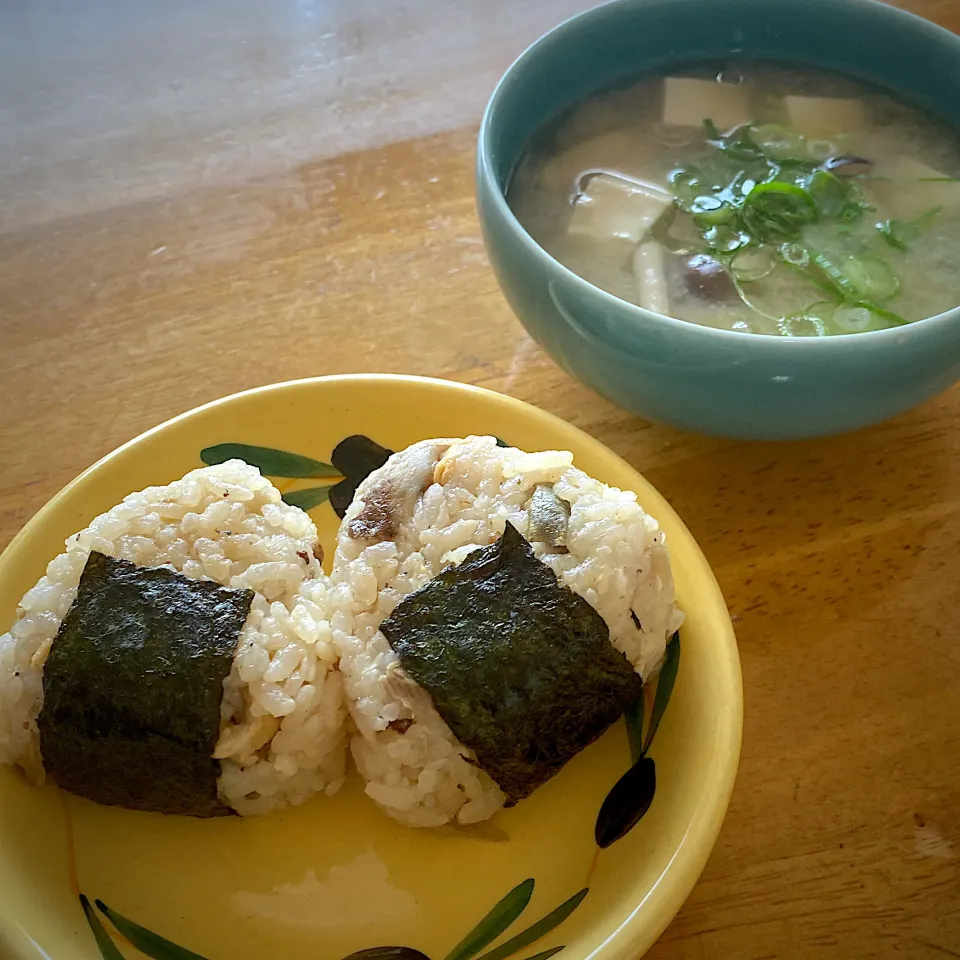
(637, 933)
(640, 315)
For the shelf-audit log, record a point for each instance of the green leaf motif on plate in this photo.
(630, 797)
(388, 953)
(308, 498)
(268, 460)
(152, 944)
(354, 459)
(147, 942)
(540, 929)
(107, 947)
(634, 721)
(665, 682)
(546, 954)
(496, 922)
(493, 924)
(504, 912)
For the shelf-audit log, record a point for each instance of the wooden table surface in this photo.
(202, 196)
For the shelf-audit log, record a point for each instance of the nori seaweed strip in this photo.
(520, 668)
(133, 684)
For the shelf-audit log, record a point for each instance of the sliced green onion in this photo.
(830, 193)
(777, 211)
(751, 199)
(682, 175)
(713, 133)
(725, 238)
(820, 149)
(788, 195)
(687, 183)
(779, 142)
(862, 316)
(749, 304)
(853, 211)
(865, 277)
(821, 282)
(855, 204)
(753, 263)
(852, 319)
(843, 284)
(883, 313)
(890, 231)
(794, 254)
(925, 219)
(773, 172)
(705, 203)
(801, 325)
(660, 232)
(898, 233)
(793, 170)
(740, 145)
(819, 308)
(708, 211)
(871, 277)
(712, 218)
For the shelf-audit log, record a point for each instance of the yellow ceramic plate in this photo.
(335, 875)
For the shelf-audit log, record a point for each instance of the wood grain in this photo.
(292, 195)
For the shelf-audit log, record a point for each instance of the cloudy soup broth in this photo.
(752, 197)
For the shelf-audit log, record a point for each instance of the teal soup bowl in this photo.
(695, 377)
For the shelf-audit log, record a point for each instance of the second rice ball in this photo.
(428, 509)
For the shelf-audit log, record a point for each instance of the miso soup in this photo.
(752, 197)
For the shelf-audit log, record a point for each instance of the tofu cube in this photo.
(616, 206)
(687, 103)
(822, 118)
